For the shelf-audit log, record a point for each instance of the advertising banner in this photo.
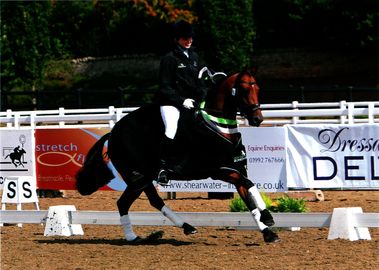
(265, 150)
(332, 156)
(266, 153)
(60, 153)
(17, 153)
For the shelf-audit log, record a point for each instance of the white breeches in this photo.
(170, 117)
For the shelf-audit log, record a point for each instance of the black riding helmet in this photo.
(183, 29)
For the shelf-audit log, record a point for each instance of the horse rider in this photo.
(180, 89)
(17, 150)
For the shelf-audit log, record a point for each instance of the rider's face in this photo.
(185, 42)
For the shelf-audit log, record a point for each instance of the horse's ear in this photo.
(253, 70)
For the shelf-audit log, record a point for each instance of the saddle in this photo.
(202, 148)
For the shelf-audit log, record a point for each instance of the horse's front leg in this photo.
(254, 202)
(157, 202)
(14, 163)
(20, 163)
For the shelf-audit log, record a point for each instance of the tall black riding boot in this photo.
(166, 157)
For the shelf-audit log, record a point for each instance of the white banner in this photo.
(17, 153)
(332, 156)
(265, 150)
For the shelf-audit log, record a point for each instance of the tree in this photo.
(322, 24)
(25, 43)
(227, 32)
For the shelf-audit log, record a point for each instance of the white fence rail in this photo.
(207, 219)
(275, 114)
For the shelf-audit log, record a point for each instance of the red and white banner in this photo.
(332, 156)
(60, 153)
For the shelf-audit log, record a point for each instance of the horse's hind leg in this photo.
(157, 202)
(124, 202)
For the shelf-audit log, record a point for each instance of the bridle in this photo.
(240, 91)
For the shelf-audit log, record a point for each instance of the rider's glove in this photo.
(188, 103)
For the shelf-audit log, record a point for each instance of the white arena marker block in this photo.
(343, 225)
(58, 222)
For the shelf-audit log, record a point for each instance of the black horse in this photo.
(17, 155)
(208, 144)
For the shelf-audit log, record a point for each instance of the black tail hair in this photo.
(95, 173)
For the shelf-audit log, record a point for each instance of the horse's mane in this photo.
(214, 87)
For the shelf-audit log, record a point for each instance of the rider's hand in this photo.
(188, 103)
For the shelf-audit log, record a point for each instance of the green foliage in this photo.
(227, 33)
(60, 75)
(316, 24)
(238, 205)
(288, 204)
(33, 32)
(267, 200)
(25, 43)
(282, 204)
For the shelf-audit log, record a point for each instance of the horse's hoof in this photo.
(188, 229)
(267, 218)
(163, 178)
(269, 236)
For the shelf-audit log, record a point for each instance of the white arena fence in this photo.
(206, 219)
(344, 223)
(218, 219)
(275, 115)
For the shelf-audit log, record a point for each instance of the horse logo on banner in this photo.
(17, 155)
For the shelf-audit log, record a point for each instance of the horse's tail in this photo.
(95, 173)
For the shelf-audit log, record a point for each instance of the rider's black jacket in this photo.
(179, 80)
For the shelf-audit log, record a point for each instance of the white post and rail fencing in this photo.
(345, 223)
(275, 115)
(269, 151)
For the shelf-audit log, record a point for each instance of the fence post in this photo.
(16, 121)
(350, 107)
(9, 114)
(118, 114)
(295, 119)
(371, 113)
(61, 113)
(111, 112)
(343, 107)
(32, 120)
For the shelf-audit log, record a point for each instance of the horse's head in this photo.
(246, 91)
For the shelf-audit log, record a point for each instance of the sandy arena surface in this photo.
(103, 247)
